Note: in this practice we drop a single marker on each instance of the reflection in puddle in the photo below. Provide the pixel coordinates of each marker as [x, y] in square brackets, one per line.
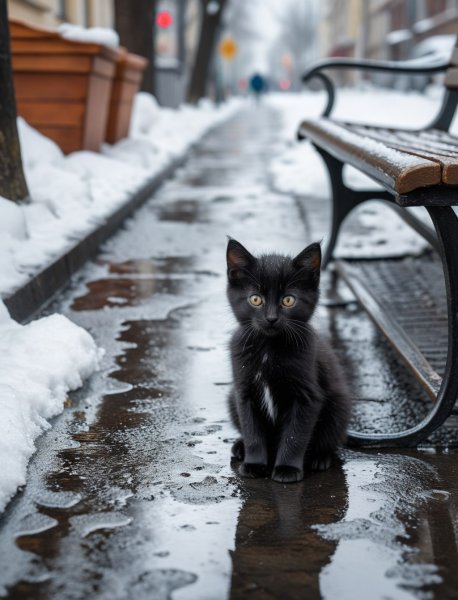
[123, 292]
[165, 266]
[277, 554]
[134, 282]
[387, 498]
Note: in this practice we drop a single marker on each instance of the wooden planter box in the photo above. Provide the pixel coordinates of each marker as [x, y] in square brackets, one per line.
[63, 87]
[127, 80]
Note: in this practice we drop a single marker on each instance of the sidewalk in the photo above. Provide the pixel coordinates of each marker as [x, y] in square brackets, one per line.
[131, 495]
[78, 200]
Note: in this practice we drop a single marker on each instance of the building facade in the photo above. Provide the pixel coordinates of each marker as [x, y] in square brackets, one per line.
[87, 13]
[383, 29]
[340, 28]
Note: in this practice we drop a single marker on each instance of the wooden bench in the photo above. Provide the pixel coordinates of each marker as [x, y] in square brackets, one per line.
[414, 168]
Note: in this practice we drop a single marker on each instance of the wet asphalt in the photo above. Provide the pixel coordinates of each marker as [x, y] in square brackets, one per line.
[132, 494]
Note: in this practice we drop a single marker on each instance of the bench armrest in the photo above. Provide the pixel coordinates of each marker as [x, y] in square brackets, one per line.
[437, 64]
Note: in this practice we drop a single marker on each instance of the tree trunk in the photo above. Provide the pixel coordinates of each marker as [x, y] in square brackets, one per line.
[12, 181]
[134, 22]
[208, 34]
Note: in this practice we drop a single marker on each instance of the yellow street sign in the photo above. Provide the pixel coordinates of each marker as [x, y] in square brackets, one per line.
[227, 48]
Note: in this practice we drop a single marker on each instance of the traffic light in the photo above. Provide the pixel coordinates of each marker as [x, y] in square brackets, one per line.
[164, 19]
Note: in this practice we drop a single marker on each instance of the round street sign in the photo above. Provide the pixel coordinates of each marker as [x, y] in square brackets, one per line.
[228, 48]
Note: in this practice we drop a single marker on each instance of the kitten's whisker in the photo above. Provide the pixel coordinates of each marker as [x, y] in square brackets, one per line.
[247, 338]
[305, 327]
[299, 339]
[292, 335]
[301, 342]
[303, 323]
[247, 333]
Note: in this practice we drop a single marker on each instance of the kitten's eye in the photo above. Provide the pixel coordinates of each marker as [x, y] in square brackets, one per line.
[288, 301]
[255, 300]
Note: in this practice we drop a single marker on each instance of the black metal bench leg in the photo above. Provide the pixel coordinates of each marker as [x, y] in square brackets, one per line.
[446, 225]
[344, 200]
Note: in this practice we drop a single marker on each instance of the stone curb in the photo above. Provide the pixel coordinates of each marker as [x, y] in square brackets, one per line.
[28, 300]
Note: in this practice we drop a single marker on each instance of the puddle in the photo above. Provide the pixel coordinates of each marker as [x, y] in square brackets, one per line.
[186, 211]
[154, 266]
[125, 292]
[384, 545]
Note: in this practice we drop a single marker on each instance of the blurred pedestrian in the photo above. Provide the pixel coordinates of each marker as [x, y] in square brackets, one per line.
[257, 85]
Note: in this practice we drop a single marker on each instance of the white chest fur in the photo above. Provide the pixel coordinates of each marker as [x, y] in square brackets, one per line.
[267, 400]
[268, 403]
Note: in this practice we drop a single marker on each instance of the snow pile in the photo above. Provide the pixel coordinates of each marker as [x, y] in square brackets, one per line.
[90, 35]
[72, 195]
[41, 362]
[377, 230]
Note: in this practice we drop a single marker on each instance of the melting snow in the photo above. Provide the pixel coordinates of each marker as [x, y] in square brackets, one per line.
[41, 363]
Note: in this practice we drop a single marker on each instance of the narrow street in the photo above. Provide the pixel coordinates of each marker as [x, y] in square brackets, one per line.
[132, 494]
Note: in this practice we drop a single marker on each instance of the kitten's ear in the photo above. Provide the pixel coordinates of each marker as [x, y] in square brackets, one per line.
[238, 258]
[309, 259]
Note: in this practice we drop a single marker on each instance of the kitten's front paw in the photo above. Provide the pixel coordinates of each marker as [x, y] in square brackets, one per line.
[238, 450]
[253, 470]
[285, 474]
[322, 463]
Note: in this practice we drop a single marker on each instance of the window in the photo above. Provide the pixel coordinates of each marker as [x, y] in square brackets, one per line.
[62, 10]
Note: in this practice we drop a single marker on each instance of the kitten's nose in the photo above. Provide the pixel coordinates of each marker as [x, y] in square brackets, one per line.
[272, 320]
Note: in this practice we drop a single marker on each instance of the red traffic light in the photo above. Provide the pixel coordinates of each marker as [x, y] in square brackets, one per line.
[164, 19]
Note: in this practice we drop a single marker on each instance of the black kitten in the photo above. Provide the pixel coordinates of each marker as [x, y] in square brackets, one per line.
[290, 400]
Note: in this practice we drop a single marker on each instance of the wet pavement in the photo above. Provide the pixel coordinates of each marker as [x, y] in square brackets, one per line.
[131, 494]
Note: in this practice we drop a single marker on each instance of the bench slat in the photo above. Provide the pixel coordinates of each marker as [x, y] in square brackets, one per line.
[396, 170]
[445, 154]
[429, 139]
[440, 136]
